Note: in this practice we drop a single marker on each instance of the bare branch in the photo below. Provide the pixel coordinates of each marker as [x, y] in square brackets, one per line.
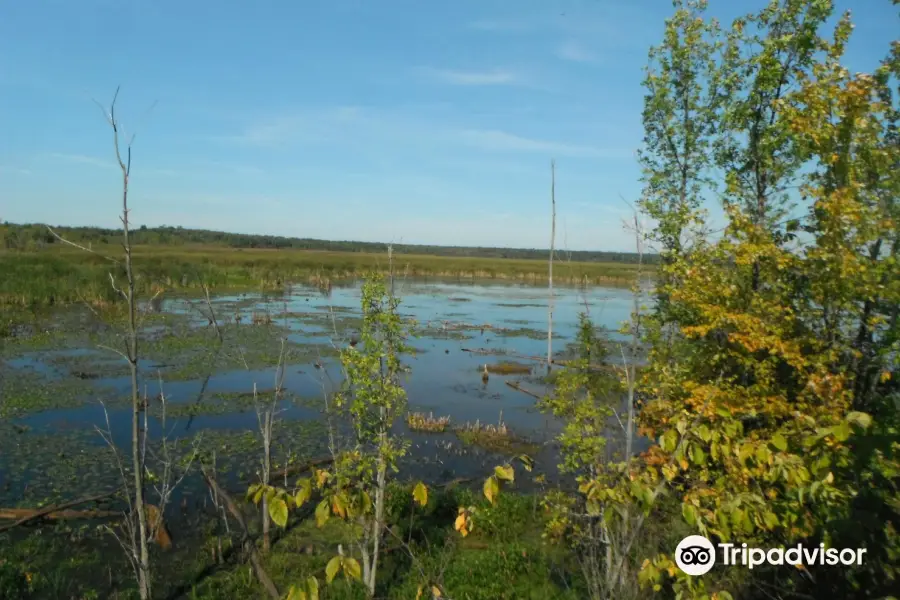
[79, 246]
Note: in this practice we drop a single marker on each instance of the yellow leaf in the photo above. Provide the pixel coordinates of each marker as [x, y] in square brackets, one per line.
[332, 568]
[352, 569]
[339, 506]
[435, 591]
[278, 511]
[505, 473]
[312, 584]
[322, 513]
[304, 491]
[491, 488]
[420, 494]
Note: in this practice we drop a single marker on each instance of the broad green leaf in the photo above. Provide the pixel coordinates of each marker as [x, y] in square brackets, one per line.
[296, 593]
[689, 512]
[278, 510]
[304, 491]
[779, 442]
[860, 418]
[491, 488]
[312, 585]
[257, 496]
[698, 456]
[669, 440]
[352, 569]
[505, 473]
[332, 568]
[527, 462]
[703, 433]
[323, 512]
[420, 494]
[841, 431]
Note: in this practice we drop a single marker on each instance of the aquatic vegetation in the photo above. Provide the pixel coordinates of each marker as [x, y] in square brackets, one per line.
[422, 422]
[509, 368]
[494, 438]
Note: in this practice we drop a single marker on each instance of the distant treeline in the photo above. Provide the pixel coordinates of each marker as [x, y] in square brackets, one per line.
[36, 236]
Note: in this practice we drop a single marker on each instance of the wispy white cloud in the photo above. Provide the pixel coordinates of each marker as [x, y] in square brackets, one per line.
[80, 159]
[496, 140]
[491, 77]
[575, 52]
[361, 128]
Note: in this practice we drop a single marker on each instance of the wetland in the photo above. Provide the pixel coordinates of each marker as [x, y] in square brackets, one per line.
[62, 384]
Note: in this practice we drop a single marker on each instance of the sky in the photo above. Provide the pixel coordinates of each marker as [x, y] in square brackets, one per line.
[392, 120]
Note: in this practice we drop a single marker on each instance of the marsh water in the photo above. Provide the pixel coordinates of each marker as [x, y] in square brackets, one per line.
[62, 385]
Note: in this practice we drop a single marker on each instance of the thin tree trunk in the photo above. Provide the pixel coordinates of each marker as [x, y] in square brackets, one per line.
[136, 405]
[550, 265]
[635, 336]
[267, 544]
[379, 525]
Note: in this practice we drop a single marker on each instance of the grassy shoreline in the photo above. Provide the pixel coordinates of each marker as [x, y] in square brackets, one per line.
[67, 275]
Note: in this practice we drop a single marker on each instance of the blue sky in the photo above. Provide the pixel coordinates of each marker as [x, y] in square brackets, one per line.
[390, 120]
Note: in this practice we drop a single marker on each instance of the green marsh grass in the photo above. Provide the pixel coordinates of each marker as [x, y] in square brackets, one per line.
[62, 275]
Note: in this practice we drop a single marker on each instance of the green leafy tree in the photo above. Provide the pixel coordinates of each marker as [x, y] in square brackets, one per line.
[775, 408]
[683, 83]
[372, 398]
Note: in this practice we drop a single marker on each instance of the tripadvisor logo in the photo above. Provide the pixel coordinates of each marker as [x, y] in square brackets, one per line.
[696, 555]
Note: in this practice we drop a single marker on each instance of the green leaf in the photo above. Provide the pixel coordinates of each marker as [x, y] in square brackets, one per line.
[669, 440]
[505, 473]
[296, 593]
[251, 491]
[278, 510]
[527, 462]
[689, 512]
[703, 433]
[312, 585]
[420, 494]
[698, 456]
[860, 418]
[332, 568]
[323, 512]
[779, 442]
[304, 491]
[491, 488]
[841, 431]
[352, 569]
[257, 496]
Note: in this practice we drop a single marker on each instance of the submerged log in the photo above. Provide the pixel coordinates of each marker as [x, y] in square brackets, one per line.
[29, 513]
[56, 508]
[518, 387]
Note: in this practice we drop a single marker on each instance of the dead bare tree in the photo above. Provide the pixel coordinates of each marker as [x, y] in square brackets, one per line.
[550, 265]
[132, 357]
